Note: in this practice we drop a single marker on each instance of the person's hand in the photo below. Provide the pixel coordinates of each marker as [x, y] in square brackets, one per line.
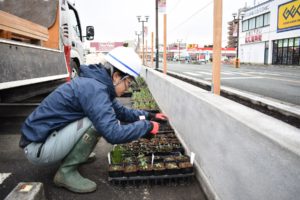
[153, 131]
[155, 128]
[158, 117]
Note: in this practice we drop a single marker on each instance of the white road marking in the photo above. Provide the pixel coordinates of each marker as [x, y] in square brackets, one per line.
[4, 176]
[206, 73]
[228, 73]
[281, 79]
[229, 78]
[265, 73]
[192, 73]
[243, 75]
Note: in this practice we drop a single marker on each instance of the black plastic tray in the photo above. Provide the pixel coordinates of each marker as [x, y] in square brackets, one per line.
[152, 177]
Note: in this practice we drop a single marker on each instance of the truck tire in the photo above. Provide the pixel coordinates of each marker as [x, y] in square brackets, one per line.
[75, 70]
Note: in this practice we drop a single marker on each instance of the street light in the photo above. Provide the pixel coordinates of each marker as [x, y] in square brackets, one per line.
[138, 42]
[143, 32]
[238, 17]
[179, 41]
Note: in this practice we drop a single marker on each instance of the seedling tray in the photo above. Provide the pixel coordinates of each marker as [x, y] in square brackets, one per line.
[149, 178]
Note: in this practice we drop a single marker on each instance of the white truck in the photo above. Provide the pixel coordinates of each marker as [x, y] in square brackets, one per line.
[41, 46]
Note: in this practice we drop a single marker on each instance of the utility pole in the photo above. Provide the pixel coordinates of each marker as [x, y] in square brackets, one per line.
[156, 35]
[143, 34]
[165, 45]
[152, 35]
[179, 41]
[217, 46]
[239, 18]
[138, 42]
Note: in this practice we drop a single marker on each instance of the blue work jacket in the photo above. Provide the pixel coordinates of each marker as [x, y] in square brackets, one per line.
[91, 95]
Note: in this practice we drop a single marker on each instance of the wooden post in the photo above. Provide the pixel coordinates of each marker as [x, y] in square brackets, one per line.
[165, 44]
[152, 46]
[146, 56]
[217, 46]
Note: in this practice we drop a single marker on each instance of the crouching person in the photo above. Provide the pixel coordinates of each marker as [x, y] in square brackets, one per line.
[67, 125]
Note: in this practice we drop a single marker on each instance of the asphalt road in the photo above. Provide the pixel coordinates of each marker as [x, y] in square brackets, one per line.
[280, 83]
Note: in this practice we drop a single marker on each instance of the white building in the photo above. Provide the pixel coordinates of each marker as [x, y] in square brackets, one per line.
[270, 33]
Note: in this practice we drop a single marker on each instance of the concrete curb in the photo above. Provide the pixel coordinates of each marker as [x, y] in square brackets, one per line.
[28, 191]
[284, 108]
[240, 152]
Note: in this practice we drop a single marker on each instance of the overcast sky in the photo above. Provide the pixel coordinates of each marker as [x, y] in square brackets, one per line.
[188, 20]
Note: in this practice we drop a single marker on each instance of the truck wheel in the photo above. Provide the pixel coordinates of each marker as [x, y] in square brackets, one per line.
[74, 69]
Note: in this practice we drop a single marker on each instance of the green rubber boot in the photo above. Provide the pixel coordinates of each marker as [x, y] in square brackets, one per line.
[92, 158]
[67, 175]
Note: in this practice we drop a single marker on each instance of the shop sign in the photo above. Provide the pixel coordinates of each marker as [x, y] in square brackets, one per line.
[253, 36]
[192, 46]
[162, 4]
[258, 10]
[288, 16]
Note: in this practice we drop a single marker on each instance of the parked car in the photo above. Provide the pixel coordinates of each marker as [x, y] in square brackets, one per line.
[202, 61]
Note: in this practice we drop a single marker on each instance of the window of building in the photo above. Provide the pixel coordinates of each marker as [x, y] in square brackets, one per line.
[245, 25]
[251, 23]
[297, 41]
[284, 55]
[280, 42]
[259, 21]
[290, 51]
[275, 47]
[286, 51]
[256, 22]
[285, 42]
[266, 19]
[296, 51]
[291, 42]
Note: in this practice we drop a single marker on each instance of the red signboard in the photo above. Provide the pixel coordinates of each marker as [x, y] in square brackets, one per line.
[253, 36]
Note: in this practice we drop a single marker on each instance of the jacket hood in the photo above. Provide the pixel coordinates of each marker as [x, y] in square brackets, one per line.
[99, 73]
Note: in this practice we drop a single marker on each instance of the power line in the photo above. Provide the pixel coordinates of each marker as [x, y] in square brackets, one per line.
[176, 4]
[195, 13]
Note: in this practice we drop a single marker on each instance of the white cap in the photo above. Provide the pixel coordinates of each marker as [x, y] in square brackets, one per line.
[126, 60]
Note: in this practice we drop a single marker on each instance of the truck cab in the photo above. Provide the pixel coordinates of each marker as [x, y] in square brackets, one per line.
[71, 21]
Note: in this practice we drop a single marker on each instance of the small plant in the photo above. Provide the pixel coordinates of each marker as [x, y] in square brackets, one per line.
[182, 158]
[185, 167]
[143, 160]
[129, 160]
[165, 148]
[143, 99]
[159, 168]
[115, 170]
[117, 154]
[130, 170]
[169, 159]
[172, 168]
[171, 165]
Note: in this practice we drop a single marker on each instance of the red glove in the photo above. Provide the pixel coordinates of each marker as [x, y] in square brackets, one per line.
[155, 128]
[160, 117]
